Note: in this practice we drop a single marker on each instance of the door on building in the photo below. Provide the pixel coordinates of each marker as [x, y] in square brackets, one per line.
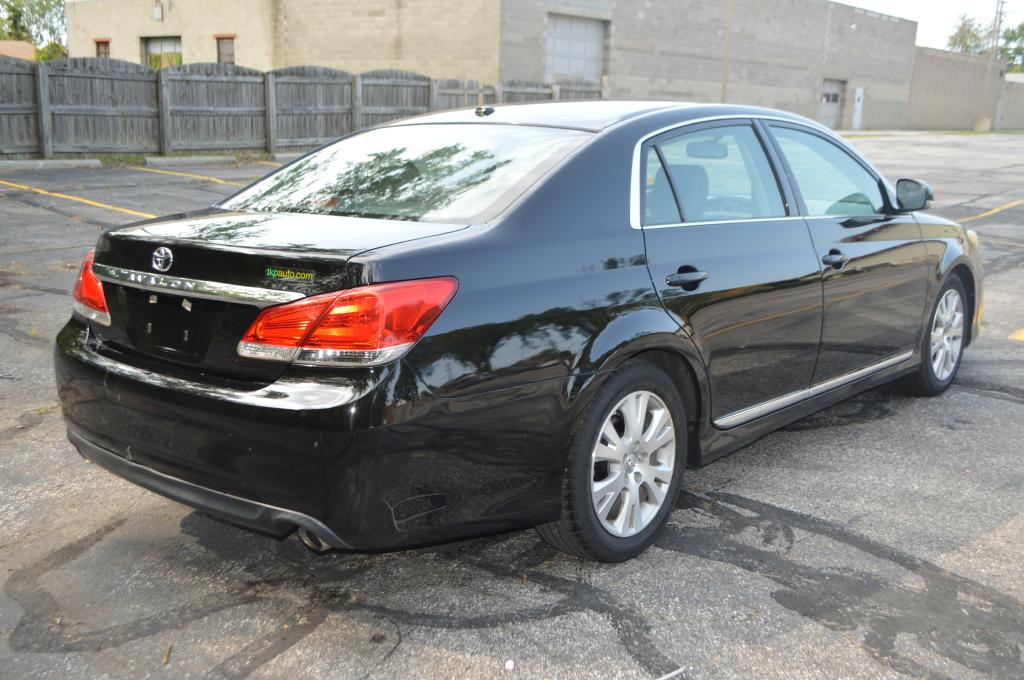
[575, 49]
[831, 110]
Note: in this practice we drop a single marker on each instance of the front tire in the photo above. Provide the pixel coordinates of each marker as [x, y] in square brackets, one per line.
[625, 467]
[942, 346]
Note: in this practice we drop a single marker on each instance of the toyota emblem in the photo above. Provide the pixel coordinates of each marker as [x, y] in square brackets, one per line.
[163, 258]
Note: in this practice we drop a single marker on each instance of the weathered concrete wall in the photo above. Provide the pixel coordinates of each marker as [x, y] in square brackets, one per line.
[779, 53]
[124, 22]
[1013, 107]
[778, 57]
[953, 91]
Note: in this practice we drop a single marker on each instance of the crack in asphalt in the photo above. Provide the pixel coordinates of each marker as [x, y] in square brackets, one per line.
[1014, 395]
[956, 618]
[9, 327]
[23, 198]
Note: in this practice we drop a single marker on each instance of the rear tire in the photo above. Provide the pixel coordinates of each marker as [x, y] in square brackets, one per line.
[942, 346]
[625, 467]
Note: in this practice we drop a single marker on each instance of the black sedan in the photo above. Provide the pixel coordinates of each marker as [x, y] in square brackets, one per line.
[513, 316]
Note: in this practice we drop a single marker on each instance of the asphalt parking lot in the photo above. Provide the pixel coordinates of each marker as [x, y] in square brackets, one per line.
[882, 538]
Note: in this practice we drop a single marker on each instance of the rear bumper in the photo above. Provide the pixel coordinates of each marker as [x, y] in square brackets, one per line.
[365, 459]
[248, 513]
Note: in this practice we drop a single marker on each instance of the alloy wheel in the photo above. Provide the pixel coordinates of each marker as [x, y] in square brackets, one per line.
[632, 463]
[947, 334]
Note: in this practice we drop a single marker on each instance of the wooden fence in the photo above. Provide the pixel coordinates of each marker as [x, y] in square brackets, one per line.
[111, 106]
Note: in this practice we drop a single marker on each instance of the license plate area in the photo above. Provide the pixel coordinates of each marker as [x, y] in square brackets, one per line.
[175, 326]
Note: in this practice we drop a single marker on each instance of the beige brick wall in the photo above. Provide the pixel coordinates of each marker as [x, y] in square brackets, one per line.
[124, 22]
[439, 38]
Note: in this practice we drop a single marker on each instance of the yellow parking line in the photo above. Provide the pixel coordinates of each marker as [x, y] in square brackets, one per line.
[1017, 335]
[216, 180]
[270, 163]
[1002, 243]
[993, 211]
[67, 197]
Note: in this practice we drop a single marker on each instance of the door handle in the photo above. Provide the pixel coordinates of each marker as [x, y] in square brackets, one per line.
[835, 259]
[686, 280]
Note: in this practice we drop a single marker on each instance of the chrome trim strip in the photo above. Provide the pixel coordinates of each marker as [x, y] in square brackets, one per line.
[634, 182]
[778, 403]
[706, 222]
[208, 290]
[758, 410]
[853, 376]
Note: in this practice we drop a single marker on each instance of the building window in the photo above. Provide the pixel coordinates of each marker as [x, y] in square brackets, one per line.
[103, 49]
[225, 49]
[161, 52]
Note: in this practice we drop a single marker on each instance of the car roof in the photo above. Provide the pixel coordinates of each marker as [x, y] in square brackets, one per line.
[582, 115]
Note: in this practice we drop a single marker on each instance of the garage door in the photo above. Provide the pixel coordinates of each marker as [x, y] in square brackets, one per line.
[575, 48]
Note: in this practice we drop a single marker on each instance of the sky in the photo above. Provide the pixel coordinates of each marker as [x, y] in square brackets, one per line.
[937, 18]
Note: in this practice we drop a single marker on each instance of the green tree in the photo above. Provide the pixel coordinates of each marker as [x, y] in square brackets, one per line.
[13, 22]
[51, 50]
[969, 37]
[1012, 46]
[37, 21]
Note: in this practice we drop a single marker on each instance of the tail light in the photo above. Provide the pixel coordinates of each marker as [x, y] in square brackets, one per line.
[366, 326]
[88, 294]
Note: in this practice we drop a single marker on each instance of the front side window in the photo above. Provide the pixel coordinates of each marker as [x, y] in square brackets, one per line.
[831, 182]
[103, 49]
[161, 52]
[722, 173]
[432, 173]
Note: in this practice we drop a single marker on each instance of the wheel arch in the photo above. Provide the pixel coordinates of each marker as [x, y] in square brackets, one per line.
[963, 272]
[649, 334]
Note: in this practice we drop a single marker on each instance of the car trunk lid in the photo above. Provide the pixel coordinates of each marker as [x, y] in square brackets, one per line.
[182, 291]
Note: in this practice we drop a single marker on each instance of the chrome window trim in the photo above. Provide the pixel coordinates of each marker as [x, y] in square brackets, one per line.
[635, 221]
[730, 221]
[750, 413]
[207, 290]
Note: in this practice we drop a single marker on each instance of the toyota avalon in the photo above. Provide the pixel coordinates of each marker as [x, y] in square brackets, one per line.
[513, 316]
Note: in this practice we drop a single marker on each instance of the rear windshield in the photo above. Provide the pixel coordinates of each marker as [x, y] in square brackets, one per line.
[433, 173]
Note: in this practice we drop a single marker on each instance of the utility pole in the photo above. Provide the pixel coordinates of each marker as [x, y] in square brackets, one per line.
[985, 122]
[726, 49]
[997, 25]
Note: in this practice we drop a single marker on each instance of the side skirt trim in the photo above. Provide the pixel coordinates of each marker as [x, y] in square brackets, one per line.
[756, 411]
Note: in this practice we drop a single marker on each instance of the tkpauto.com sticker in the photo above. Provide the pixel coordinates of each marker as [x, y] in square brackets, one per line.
[287, 274]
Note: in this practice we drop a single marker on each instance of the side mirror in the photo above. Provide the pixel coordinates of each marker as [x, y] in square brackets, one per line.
[913, 194]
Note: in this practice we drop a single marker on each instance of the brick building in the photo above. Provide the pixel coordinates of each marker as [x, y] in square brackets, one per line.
[845, 66]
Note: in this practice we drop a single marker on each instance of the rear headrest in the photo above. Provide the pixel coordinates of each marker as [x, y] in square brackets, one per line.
[660, 207]
[692, 184]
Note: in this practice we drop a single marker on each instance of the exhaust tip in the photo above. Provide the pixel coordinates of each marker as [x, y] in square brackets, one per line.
[312, 541]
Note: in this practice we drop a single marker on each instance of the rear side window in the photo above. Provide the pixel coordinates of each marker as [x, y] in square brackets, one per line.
[830, 180]
[659, 202]
[722, 173]
[432, 173]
